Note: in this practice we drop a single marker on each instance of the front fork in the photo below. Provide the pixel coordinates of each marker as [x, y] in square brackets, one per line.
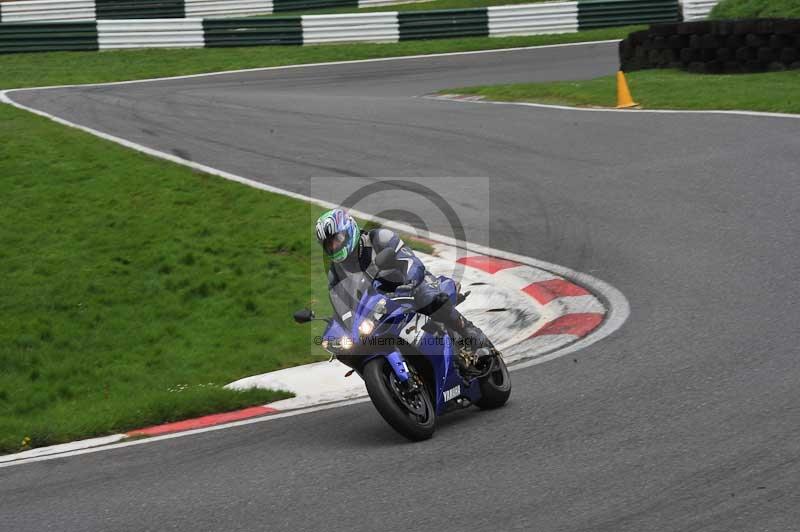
[399, 366]
[408, 381]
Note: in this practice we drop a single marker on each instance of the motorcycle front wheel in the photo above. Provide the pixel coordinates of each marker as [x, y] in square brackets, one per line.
[410, 413]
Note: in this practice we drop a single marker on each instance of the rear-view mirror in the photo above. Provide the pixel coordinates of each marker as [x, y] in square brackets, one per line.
[304, 316]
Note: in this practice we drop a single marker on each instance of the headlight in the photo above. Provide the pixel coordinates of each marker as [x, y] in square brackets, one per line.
[366, 327]
[325, 344]
[345, 343]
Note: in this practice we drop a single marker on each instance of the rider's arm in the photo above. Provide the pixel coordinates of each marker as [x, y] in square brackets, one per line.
[408, 267]
[333, 279]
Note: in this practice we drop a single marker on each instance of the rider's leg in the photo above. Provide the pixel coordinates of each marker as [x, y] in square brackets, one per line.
[432, 302]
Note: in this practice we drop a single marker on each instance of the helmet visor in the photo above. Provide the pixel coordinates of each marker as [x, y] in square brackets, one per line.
[334, 243]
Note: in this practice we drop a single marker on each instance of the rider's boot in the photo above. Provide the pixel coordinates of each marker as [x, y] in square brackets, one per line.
[472, 342]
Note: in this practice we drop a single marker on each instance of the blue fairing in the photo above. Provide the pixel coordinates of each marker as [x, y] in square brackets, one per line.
[448, 286]
[397, 333]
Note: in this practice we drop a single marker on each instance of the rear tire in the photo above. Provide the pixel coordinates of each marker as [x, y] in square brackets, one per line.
[495, 387]
[381, 385]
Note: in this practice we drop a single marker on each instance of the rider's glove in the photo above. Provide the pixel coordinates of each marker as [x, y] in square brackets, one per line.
[404, 290]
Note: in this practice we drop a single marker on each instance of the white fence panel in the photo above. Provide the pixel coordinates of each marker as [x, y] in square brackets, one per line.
[697, 9]
[227, 8]
[533, 19]
[375, 3]
[370, 27]
[48, 11]
[150, 33]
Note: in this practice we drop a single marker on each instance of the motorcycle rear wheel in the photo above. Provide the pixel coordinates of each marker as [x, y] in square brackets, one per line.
[412, 415]
[496, 386]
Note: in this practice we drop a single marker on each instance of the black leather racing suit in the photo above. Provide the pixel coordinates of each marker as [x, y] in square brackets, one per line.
[409, 274]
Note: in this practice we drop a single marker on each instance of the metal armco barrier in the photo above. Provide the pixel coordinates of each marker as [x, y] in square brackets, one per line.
[533, 19]
[376, 3]
[138, 9]
[298, 5]
[525, 19]
[210, 8]
[697, 9]
[606, 13]
[48, 37]
[86, 10]
[593, 13]
[372, 27]
[154, 33]
[443, 24]
[47, 10]
[253, 32]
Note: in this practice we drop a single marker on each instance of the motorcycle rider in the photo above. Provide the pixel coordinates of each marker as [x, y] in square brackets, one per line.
[351, 250]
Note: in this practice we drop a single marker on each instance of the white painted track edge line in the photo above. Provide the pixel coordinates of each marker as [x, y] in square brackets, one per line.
[308, 65]
[153, 439]
[60, 448]
[445, 98]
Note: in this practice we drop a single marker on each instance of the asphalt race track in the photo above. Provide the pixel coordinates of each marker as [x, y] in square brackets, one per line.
[687, 418]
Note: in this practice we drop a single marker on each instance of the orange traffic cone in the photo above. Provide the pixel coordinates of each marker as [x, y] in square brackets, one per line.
[624, 100]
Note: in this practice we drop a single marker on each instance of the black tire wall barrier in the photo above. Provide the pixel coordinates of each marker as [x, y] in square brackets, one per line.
[715, 47]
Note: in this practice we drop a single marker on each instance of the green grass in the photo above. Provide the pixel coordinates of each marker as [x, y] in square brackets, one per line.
[57, 68]
[732, 9]
[416, 6]
[125, 277]
[661, 89]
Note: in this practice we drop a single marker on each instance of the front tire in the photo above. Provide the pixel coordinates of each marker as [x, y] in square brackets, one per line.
[496, 386]
[412, 415]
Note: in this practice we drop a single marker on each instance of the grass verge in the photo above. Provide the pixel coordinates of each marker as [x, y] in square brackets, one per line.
[661, 89]
[134, 289]
[732, 9]
[61, 68]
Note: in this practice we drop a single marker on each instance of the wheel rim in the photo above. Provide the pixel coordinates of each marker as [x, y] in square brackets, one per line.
[413, 403]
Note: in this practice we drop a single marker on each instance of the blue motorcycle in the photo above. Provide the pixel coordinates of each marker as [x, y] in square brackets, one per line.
[407, 360]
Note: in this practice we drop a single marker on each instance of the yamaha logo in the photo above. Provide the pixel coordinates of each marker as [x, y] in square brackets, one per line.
[452, 393]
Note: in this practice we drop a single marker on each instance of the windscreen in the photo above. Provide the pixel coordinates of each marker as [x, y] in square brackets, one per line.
[346, 294]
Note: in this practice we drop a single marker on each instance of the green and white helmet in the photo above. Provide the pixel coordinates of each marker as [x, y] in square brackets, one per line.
[338, 233]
